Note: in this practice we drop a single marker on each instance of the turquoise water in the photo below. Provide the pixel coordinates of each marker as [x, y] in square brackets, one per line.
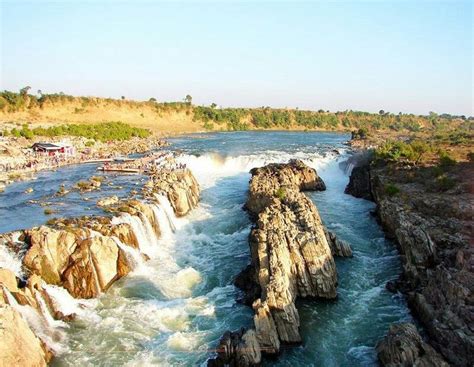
[174, 309]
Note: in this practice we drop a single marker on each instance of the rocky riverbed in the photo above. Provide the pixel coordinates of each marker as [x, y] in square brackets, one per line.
[433, 228]
[78, 257]
[291, 257]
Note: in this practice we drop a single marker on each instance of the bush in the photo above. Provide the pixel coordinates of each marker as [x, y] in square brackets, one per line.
[280, 193]
[444, 183]
[445, 160]
[106, 131]
[391, 189]
[470, 156]
[90, 143]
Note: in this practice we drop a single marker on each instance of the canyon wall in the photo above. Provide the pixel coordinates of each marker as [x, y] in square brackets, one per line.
[433, 231]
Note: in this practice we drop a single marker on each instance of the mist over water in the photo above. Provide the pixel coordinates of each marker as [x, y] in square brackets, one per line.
[173, 309]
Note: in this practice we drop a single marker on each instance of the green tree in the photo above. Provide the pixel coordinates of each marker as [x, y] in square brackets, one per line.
[188, 99]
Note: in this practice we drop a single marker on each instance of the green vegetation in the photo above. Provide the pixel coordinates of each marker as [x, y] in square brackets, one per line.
[454, 129]
[106, 131]
[391, 189]
[280, 193]
[395, 151]
[445, 160]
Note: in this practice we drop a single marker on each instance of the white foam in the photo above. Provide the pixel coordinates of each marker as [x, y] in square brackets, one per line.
[11, 261]
[212, 166]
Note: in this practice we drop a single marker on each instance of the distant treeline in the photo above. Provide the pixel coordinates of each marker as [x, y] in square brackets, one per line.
[212, 117]
[106, 131]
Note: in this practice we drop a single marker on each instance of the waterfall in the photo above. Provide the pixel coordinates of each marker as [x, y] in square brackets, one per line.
[134, 256]
[42, 324]
[145, 243]
[165, 205]
[166, 226]
[67, 304]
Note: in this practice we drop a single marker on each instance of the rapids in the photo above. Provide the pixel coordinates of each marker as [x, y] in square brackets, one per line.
[172, 309]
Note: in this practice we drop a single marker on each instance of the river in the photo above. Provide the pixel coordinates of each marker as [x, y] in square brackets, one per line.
[173, 309]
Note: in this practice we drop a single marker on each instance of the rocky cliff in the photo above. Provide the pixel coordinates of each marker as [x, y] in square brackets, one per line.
[433, 229]
[290, 253]
[83, 256]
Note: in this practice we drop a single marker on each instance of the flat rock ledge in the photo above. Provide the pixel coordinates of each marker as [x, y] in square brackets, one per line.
[291, 257]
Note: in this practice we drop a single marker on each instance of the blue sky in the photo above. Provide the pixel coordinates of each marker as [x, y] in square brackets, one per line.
[409, 56]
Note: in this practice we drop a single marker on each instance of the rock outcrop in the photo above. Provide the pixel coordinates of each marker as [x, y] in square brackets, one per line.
[19, 345]
[85, 256]
[180, 187]
[83, 261]
[237, 349]
[290, 254]
[403, 346]
[433, 230]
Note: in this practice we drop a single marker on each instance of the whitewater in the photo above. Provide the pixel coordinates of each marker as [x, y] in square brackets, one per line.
[173, 308]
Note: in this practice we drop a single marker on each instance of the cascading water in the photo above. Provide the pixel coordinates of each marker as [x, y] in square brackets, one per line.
[174, 308]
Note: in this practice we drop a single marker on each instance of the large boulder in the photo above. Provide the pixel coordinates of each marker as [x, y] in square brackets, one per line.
[180, 187]
[19, 345]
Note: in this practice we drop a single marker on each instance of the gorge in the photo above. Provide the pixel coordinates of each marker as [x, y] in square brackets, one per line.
[175, 307]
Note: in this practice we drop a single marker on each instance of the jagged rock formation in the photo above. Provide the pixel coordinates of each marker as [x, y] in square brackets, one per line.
[19, 346]
[403, 346]
[237, 349]
[180, 187]
[290, 256]
[83, 255]
[433, 231]
[339, 248]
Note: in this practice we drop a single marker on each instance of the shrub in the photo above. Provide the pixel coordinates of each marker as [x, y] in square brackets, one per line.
[90, 143]
[445, 160]
[280, 193]
[391, 189]
[444, 183]
[470, 156]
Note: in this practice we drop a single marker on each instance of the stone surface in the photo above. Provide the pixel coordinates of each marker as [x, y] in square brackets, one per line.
[237, 349]
[290, 255]
[338, 247]
[180, 187]
[403, 346]
[19, 346]
[433, 230]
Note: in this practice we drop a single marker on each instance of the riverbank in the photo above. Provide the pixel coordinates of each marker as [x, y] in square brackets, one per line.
[427, 209]
[19, 162]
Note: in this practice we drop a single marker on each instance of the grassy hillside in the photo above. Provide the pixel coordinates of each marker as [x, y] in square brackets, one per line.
[177, 117]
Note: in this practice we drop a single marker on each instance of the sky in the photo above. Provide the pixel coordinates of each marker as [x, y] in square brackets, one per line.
[399, 56]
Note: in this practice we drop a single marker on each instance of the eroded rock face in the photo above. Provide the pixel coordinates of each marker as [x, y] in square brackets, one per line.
[180, 187]
[290, 254]
[273, 180]
[83, 261]
[19, 345]
[433, 231]
[237, 349]
[403, 346]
